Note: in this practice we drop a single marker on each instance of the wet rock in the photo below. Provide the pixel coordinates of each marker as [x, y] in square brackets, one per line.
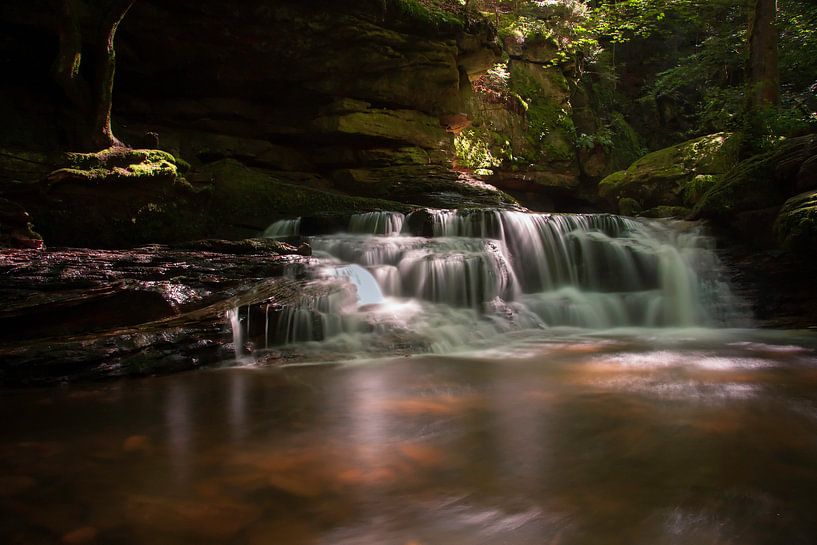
[246, 247]
[16, 230]
[72, 314]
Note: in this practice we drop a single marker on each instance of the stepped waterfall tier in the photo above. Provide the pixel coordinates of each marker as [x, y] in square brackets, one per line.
[443, 280]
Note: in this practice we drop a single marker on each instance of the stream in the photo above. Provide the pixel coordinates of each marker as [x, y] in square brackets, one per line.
[461, 378]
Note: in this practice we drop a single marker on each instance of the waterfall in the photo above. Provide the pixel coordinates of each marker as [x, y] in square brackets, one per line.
[283, 228]
[482, 273]
[367, 288]
[238, 334]
[377, 223]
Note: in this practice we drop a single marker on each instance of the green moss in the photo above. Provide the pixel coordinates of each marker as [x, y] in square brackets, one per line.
[258, 197]
[626, 145]
[695, 190]
[672, 176]
[612, 184]
[796, 225]
[427, 13]
[666, 212]
[748, 186]
[550, 130]
[628, 206]
[408, 126]
[118, 164]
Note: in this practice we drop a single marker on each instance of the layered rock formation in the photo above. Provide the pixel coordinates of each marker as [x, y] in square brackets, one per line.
[327, 98]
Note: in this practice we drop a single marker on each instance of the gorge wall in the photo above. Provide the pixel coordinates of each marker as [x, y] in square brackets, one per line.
[267, 111]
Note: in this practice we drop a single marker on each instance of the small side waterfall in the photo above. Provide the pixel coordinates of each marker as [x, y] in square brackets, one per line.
[489, 272]
[237, 331]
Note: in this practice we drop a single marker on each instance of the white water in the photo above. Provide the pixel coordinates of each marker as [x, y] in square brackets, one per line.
[238, 332]
[283, 228]
[490, 273]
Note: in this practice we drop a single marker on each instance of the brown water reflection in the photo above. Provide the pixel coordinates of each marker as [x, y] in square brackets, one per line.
[594, 442]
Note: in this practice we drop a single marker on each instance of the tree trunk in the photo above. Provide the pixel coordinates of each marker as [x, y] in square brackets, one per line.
[102, 135]
[69, 56]
[764, 80]
[90, 100]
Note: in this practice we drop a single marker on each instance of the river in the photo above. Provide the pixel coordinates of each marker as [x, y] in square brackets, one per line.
[637, 438]
[482, 386]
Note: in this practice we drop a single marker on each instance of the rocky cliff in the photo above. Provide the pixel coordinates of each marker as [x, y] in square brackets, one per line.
[256, 102]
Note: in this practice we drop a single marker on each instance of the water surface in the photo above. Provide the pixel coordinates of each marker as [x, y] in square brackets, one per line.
[639, 437]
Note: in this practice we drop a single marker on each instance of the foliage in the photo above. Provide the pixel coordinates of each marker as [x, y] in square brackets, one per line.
[437, 13]
[475, 149]
[603, 137]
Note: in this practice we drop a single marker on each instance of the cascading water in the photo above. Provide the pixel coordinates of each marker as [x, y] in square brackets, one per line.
[283, 228]
[486, 272]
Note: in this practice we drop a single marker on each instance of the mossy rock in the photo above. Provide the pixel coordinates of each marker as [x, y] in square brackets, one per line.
[796, 224]
[117, 165]
[759, 182]
[666, 212]
[662, 178]
[628, 206]
[427, 185]
[247, 200]
[377, 157]
[406, 126]
[548, 128]
[117, 198]
[626, 147]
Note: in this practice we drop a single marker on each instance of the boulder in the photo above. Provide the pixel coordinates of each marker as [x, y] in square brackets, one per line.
[672, 177]
[760, 182]
[796, 224]
[247, 200]
[16, 230]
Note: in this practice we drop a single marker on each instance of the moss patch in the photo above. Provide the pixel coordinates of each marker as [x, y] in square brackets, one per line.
[253, 199]
[116, 165]
[759, 182]
[672, 176]
[796, 225]
[550, 131]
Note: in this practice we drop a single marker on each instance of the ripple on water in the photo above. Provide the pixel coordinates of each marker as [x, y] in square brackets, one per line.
[455, 521]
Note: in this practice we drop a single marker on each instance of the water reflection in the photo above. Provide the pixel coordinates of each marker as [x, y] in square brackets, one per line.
[572, 441]
[179, 426]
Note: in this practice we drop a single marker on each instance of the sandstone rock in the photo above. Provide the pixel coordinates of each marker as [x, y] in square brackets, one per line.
[247, 200]
[16, 230]
[404, 126]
